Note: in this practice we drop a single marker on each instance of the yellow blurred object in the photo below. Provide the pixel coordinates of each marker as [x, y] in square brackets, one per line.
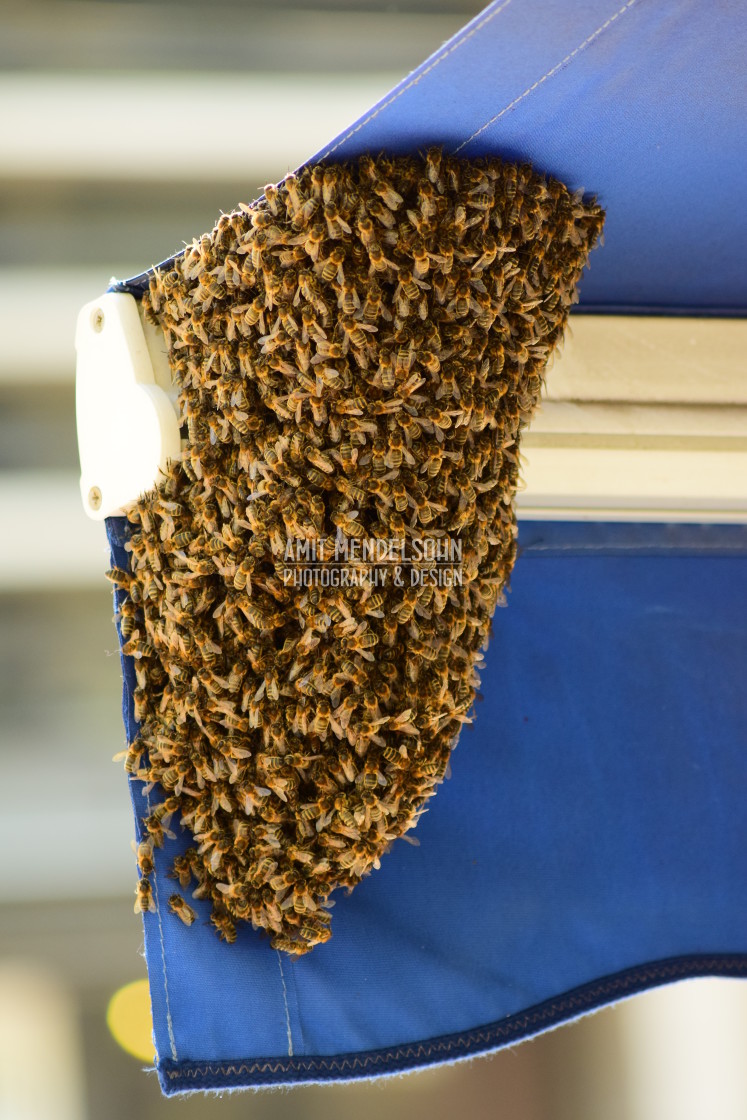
[129, 1020]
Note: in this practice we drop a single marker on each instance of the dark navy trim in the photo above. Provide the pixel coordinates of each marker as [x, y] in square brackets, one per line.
[659, 310]
[138, 285]
[240, 1073]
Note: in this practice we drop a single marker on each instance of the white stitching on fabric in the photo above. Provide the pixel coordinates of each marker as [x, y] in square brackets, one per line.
[285, 1001]
[415, 81]
[169, 1021]
[549, 74]
[297, 1006]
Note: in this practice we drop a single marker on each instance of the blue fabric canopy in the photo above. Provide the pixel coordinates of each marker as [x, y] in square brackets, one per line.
[591, 840]
[589, 844]
[643, 104]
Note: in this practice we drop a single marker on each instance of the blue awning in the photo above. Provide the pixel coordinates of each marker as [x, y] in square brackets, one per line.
[591, 840]
[643, 104]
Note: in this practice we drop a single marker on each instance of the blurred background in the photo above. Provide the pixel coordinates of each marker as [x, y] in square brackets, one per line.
[125, 128]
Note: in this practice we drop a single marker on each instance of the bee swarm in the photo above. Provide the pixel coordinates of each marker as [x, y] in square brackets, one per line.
[356, 353]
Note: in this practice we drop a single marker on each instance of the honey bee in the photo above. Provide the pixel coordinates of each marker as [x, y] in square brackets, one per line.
[361, 640]
[379, 263]
[223, 924]
[319, 479]
[318, 410]
[382, 213]
[128, 616]
[399, 494]
[366, 231]
[407, 287]
[347, 455]
[326, 351]
[380, 489]
[431, 464]
[255, 615]
[353, 672]
[137, 648]
[488, 255]
[144, 900]
[354, 493]
[144, 852]
[349, 300]
[254, 314]
[330, 182]
[320, 460]
[348, 525]
[305, 213]
[132, 756]
[336, 224]
[355, 332]
[433, 166]
[315, 934]
[321, 721]
[386, 372]
[396, 450]
[378, 456]
[313, 239]
[467, 490]
[424, 649]
[182, 870]
[272, 198]
[283, 881]
[209, 651]
[373, 308]
[235, 722]
[182, 909]
[421, 259]
[296, 446]
[242, 578]
[332, 267]
[311, 327]
[404, 359]
[119, 578]
[391, 198]
[347, 766]
[405, 610]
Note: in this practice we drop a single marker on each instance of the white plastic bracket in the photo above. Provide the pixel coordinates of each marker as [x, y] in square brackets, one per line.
[126, 404]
